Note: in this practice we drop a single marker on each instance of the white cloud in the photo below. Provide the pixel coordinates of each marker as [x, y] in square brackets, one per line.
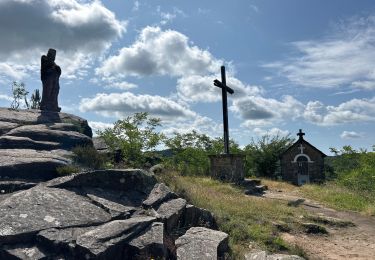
[201, 124]
[260, 111]
[350, 135]
[344, 58]
[158, 52]
[99, 126]
[270, 132]
[196, 88]
[123, 104]
[5, 97]
[78, 31]
[355, 110]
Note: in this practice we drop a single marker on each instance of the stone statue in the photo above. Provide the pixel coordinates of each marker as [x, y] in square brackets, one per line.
[50, 74]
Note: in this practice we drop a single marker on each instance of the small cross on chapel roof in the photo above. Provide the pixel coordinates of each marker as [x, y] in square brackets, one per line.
[300, 134]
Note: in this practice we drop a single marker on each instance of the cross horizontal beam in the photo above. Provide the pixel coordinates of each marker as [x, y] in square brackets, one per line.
[218, 84]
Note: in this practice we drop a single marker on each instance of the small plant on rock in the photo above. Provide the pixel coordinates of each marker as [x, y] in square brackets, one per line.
[35, 100]
[88, 157]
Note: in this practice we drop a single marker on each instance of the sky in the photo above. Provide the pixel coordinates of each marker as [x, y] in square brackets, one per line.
[293, 64]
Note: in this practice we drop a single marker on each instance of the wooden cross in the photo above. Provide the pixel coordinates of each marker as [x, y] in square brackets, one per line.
[224, 90]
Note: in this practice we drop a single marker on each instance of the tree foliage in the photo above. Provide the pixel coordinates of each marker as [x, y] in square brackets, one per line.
[135, 136]
[190, 152]
[35, 100]
[263, 155]
[19, 93]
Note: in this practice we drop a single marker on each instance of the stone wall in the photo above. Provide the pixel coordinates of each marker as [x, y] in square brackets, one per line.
[227, 167]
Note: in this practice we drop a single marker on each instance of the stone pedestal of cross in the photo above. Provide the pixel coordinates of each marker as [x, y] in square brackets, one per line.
[226, 167]
[224, 90]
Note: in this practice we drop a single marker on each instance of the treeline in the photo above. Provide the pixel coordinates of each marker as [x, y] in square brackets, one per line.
[137, 138]
[354, 169]
[137, 141]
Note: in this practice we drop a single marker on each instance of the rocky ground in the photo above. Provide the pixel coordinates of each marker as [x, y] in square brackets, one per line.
[109, 214]
[349, 235]
[31, 140]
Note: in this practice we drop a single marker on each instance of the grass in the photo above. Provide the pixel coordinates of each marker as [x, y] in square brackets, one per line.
[330, 194]
[247, 219]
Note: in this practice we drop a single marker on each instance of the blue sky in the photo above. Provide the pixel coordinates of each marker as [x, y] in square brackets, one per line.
[292, 64]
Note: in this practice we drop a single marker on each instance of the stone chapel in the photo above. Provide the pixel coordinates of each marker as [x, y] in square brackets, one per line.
[302, 162]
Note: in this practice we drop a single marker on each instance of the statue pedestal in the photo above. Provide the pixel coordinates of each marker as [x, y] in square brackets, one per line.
[227, 167]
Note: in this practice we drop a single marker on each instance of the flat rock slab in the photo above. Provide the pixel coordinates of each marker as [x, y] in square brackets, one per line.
[107, 240]
[22, 252]
[123, 180]
[202, 243]
[31, 164]
[20, 142]
[25, 213]
[32, 117]
[160, 193]
[43, 133]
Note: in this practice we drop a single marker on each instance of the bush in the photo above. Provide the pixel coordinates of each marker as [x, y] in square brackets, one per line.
[89, 157]
[67, 170]
[135, 136]
[263, 156]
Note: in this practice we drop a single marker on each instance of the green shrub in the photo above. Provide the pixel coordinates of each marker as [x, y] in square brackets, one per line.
[89, 157]
[135, 136]
[67, 170]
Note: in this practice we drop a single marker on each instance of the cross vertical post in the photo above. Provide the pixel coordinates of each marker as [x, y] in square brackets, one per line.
[225, 111]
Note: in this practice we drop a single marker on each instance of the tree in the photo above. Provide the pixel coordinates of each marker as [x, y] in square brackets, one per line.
[263, 156]
[35, 100]
[189, 153]
[19, 93]
[135, 136]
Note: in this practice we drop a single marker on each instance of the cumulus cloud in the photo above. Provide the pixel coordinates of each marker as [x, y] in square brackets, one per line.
[119, 105]
[99, 126]
[355, 110]
[350, 135]
[271, 132]
[197, 88]
[344, 58]
[76, 29]
[158, 52]
[260, 111]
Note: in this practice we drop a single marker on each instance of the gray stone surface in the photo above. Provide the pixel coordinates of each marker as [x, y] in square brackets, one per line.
[171, 213]
[31, 164]
[262, 255]
[202, 243]
[195, 216]
[150, 243]
[26, 213]
[30, 252]
[20, 142]
[6, 127]
[32, 117]
[42, 132]
[160, 193]
[106, 240]
[96, 215]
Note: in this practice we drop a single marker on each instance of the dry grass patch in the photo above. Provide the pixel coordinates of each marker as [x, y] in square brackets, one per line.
[247, 219]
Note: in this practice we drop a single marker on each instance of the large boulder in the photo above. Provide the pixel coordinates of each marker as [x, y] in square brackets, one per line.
[44, 133]
[34, 117]
[202, 243]
[34, 143]
[31, 164]
[100, 215]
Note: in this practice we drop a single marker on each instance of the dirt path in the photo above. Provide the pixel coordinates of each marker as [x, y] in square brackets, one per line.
[351, 242]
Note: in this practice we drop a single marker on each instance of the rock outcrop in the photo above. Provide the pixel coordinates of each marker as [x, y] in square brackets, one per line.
[107, 214]
[34, 143]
